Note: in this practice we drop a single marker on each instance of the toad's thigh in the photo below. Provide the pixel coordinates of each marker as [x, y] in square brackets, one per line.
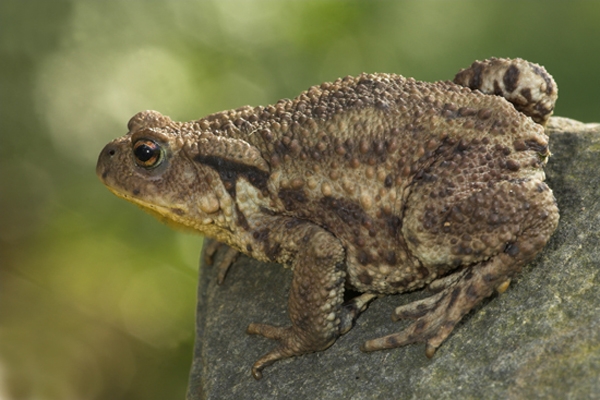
[472, 226]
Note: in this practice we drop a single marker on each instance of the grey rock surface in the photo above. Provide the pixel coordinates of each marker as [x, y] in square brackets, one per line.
[540, 339]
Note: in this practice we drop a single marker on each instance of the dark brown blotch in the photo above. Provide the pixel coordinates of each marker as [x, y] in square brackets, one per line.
[424, 272]
[229, 171]
[472, 292]
[390, 257]
[241, 218]
[394, 224]
[541, 148]
[272, 250]
[392, 342]
[462, 145]
[512, 249]
[511, 78]
[364, 258]
[292, 198]
[526, 92]
[294, 222]
[348, 211]
[420, 326]
[476, 77]
[261, 235]
[365, 278]
[541, 72]
[453, 297]
[497, 88]
[543, 110]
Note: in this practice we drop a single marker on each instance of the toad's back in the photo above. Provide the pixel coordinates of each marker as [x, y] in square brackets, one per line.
[347, 154]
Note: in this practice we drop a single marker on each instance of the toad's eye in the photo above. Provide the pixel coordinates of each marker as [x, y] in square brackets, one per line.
[148, 154]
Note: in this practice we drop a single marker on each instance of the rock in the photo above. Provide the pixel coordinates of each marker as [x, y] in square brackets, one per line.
[540, 339]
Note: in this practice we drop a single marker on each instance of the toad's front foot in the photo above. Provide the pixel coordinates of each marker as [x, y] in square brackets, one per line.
[226, 262]
[291, 343]
[271, 332]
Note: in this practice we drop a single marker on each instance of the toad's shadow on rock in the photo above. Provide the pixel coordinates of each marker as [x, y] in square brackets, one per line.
[540, 339]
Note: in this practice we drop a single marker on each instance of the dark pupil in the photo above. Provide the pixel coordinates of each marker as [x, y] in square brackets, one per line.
[144, 152]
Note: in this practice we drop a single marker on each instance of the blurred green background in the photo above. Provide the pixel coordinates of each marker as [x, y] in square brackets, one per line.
[97, 299]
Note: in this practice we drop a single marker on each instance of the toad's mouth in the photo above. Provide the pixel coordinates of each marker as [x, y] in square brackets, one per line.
[172, 216]
[158, 210]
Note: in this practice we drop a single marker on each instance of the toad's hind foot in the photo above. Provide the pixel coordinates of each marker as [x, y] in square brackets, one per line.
[528, 86]
[436, 316]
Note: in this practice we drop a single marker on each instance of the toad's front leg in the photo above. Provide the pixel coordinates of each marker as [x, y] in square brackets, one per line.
[315, 300]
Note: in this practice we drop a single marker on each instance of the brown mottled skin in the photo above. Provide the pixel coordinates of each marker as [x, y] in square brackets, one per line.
[378, 183]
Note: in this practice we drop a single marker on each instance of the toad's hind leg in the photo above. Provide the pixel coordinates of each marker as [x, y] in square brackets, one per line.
[528, 86]
[436, 316]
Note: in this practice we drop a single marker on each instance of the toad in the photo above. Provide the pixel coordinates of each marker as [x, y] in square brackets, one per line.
[377, 183]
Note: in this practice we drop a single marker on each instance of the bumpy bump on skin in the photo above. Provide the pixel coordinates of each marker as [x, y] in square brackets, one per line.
[377, 182]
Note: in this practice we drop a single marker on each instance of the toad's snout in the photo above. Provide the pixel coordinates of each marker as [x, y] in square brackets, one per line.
[105, 160]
